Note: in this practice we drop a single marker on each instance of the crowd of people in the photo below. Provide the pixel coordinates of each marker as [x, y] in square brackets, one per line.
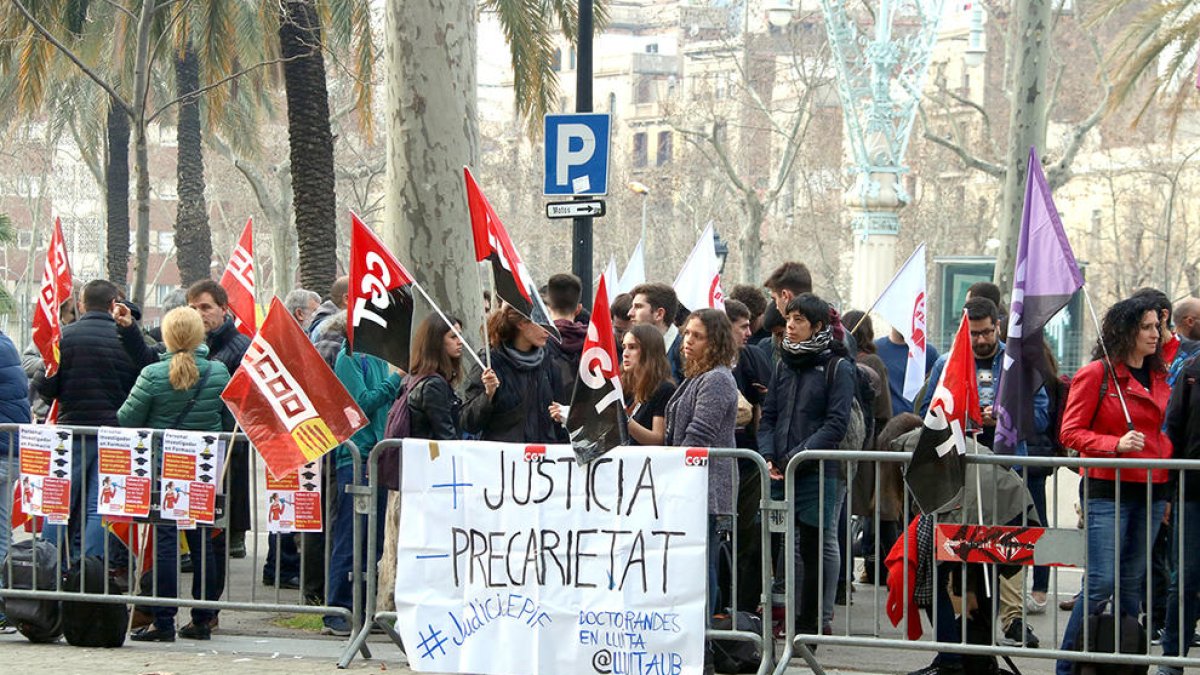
[779, 370]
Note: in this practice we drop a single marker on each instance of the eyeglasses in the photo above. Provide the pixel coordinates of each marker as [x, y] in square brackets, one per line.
[985, 333]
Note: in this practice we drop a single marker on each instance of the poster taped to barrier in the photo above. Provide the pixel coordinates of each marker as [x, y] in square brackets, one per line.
[294, 501]
[191, 465]
[46, 471]
[125, 469]
[596, 568]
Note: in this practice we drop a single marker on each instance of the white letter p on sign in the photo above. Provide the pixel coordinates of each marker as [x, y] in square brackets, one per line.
[566, 157]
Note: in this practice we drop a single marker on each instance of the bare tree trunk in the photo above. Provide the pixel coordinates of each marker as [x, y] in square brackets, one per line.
[141, 75]
[432, 133]
[116, 194]
[751, 243]
[192, 238]
[1027, 124]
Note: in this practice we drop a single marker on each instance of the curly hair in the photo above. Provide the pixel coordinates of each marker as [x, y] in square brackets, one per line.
[720, 350]
[1120, 327]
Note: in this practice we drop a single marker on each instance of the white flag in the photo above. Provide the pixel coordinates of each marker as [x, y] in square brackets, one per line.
[699, 282]
[635, 271]
[902, 304]
[610, 273]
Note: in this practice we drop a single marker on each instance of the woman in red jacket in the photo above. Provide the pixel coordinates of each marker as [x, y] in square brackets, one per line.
[1094, 424]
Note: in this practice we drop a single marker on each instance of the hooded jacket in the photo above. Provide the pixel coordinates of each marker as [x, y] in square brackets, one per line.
[566, 353]
[519, 411]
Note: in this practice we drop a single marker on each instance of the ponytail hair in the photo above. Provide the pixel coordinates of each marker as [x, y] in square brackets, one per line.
[183, 331]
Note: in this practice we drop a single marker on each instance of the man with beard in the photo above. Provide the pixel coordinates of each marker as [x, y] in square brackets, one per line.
[989, 362]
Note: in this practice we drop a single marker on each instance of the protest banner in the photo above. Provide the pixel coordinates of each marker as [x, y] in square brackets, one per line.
[573, 569]
[191, 464]
[294, 501]
[124, 468]
[46, 472]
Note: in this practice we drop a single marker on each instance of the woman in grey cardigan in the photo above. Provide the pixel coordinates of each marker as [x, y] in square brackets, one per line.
[703, 413]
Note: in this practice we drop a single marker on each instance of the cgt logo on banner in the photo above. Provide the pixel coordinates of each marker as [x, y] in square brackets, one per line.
[575, 569]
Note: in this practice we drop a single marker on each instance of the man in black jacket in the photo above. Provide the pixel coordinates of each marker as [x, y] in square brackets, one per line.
[93, 380]
[1183, 428]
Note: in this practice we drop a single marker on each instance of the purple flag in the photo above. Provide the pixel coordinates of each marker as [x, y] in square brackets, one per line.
[1045, 278]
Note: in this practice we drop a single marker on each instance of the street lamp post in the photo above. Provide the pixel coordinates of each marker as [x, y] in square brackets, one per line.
[581, 228]
[642, 189]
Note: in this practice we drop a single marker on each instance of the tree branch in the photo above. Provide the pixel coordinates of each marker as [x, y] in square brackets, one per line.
[1060, 172]
[66, 51]
[971, 161]
[214, 85]
[117, 6]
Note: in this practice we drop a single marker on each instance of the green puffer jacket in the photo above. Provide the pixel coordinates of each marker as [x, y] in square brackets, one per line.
[154, 403]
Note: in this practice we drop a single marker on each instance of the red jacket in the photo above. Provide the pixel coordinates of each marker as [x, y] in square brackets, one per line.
[899, 567]
[1095, 432]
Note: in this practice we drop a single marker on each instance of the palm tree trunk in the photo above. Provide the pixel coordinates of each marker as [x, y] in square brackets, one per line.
[432, 132]
[116, 194]
[192, 238]
[311, 143]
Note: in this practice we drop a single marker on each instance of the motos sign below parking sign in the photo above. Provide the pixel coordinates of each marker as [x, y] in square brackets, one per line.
[576, 154]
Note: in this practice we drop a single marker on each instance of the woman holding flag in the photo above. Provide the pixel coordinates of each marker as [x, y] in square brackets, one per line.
[435, 369]
[182, 391]
[646, 377]
[511, 400]
[1116, 408]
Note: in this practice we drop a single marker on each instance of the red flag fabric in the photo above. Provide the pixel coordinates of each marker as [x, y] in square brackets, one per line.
[937, 472]
[238, 282]
[514, 284]
[286, 398]
[19, 517]
[380, 306]
[56, 289]
[594, 420]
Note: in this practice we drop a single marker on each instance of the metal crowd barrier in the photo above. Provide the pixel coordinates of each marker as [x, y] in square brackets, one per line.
[863, 627]
[122, 580]
[385, 621]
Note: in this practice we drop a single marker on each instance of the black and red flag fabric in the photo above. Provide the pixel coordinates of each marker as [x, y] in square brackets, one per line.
[379, 311]
[594, 420]
[514, 283]
[938, 471]
[286, 399]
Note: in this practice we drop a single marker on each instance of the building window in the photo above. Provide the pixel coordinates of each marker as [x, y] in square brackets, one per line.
[556, 61]
[644, 92]
[166, 241]
[652, 48]
[612, 104]
[639, 150]
[664, 148]
[572, 59]
[24, 238]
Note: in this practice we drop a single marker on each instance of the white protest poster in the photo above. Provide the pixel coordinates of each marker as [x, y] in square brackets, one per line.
[46, 471]
[124, 472]
[190, 467]
[597, 568]
[294, 501]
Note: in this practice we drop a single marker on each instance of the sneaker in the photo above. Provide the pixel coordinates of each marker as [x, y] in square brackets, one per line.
[196, 631]
[185, 564]
[237, 545]
[152, 634]
[1156, 637]
[1169, 670]
[1067, 605]
[336, 626]
[940, 669]
[1032, 606]
[1019, 635]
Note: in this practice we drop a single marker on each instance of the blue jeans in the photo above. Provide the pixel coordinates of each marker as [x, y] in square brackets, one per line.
[833, 566]
[1188, 539]
[84, 515]
[208, 580]
[1036, 482]
[6, 495]
[289, 561]
[339, 587]
[1106, 524]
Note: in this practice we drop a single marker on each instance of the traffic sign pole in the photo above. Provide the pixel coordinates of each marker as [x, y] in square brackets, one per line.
[581, 228]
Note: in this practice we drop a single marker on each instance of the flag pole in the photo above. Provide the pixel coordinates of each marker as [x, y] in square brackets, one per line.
[1109, 368]
[487, 351]
[887, 288]
[449, 323]
[987, 580]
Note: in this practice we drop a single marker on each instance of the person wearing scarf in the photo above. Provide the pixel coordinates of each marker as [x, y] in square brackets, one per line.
[511, 401]
[807, 408]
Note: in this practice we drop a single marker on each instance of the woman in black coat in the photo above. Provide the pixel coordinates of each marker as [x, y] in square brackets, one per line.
[511, 401]
[435, 368]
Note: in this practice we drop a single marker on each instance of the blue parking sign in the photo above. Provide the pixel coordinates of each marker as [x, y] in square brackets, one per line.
[576, 153]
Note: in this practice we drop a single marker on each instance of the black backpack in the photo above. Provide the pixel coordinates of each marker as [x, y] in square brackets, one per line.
[38, 620]
[736, 656]
[399, 425]
[1102, 629]
[92, 624]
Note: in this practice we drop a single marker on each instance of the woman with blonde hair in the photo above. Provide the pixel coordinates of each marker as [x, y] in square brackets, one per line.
[182, 391]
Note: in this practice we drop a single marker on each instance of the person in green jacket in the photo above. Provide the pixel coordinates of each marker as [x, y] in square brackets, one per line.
[182, 391]
[374, 385]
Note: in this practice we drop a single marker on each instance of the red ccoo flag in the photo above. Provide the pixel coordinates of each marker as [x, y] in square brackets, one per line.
[594, 420]
[286, 398]
[238, 282]
[56, 289]
[514, 284]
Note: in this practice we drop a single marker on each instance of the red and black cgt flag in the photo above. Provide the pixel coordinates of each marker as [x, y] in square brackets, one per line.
[937, 472]
[380, 307]
[514, 284]
[594, 420]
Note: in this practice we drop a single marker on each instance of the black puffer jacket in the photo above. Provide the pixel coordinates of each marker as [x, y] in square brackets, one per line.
[519, 411]
[225, 344]
[94, 375]
[433, 410]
